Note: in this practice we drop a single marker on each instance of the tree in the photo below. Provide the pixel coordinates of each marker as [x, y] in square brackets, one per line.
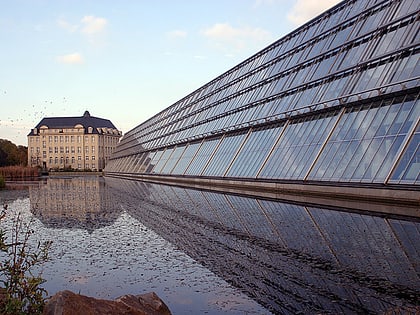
[10, 154]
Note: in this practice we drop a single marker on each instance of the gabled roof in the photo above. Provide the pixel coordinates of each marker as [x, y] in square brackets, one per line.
[70, 122]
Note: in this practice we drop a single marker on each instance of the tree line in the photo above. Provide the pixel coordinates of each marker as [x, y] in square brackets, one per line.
[12, 154]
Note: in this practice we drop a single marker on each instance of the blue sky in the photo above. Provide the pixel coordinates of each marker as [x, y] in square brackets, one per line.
[126, 60]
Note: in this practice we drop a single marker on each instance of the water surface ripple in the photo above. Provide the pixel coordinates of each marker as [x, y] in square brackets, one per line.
[212, 253]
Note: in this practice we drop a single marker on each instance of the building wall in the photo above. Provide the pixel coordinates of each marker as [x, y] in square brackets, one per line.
[75, 148]
[336, 101]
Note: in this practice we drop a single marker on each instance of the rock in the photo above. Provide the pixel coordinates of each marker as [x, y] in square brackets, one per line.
[69, 303]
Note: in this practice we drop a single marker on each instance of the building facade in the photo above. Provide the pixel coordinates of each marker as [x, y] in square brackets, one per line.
[78, 143]
[335, 103]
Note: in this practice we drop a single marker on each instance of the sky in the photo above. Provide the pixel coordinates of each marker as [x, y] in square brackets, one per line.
[126, 60]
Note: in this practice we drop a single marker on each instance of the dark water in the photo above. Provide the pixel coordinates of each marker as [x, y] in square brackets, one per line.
[208, 253]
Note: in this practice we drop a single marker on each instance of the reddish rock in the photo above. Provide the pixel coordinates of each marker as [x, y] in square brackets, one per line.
[69, 303]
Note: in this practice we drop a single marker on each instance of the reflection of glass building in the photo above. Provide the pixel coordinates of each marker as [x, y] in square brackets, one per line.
[334, 103]
[77, 202]
[291, 258]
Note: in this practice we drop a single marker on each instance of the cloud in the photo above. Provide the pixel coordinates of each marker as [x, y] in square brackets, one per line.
[223, 34]
[74, 58]
[71, 28]
[177, 34]
[92, 25]
[89, 25]
[304, 10]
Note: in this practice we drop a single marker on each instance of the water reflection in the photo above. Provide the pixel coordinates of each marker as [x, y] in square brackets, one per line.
[291, 258]
[99, 249]
[78, 202]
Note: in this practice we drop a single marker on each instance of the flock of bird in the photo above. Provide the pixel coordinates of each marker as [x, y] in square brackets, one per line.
[30, 116]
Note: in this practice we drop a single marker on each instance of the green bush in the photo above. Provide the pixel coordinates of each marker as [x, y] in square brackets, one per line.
[22, 291]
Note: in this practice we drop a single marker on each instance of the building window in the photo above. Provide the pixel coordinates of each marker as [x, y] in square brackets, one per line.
[93, 149]
[50, 150]
[61, 149]
[79, 158]
[55, 138]
[93, 158]
[79, 139]
[72, 149]
[44, 154]
[67, 150]
[55, 149]
[87, 157]
[72, 138]
[56, 160]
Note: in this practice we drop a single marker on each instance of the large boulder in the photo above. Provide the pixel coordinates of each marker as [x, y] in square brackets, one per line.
[69, 303]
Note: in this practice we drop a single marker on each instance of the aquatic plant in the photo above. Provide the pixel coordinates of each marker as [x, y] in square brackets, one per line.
[2, 182]
[21, 281]
[19, 172]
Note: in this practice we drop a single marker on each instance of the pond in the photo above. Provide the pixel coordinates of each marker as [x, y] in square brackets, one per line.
[204, 252]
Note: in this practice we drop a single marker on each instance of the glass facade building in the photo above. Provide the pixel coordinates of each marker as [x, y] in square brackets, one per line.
[335, 102]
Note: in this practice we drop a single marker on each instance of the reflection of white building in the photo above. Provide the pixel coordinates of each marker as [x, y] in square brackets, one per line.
[80, 201]
[81, 143]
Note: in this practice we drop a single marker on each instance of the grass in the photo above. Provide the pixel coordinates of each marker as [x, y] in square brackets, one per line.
[18, 172]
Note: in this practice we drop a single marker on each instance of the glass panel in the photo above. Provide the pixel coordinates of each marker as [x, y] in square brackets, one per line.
[172, 160]
[186, 158]
[223, 156]
[368, 149]
[408, 169]
[202, 156]
[165, 156]
[149, 164]
[254, 152]
[297, 148]
[384, 159]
